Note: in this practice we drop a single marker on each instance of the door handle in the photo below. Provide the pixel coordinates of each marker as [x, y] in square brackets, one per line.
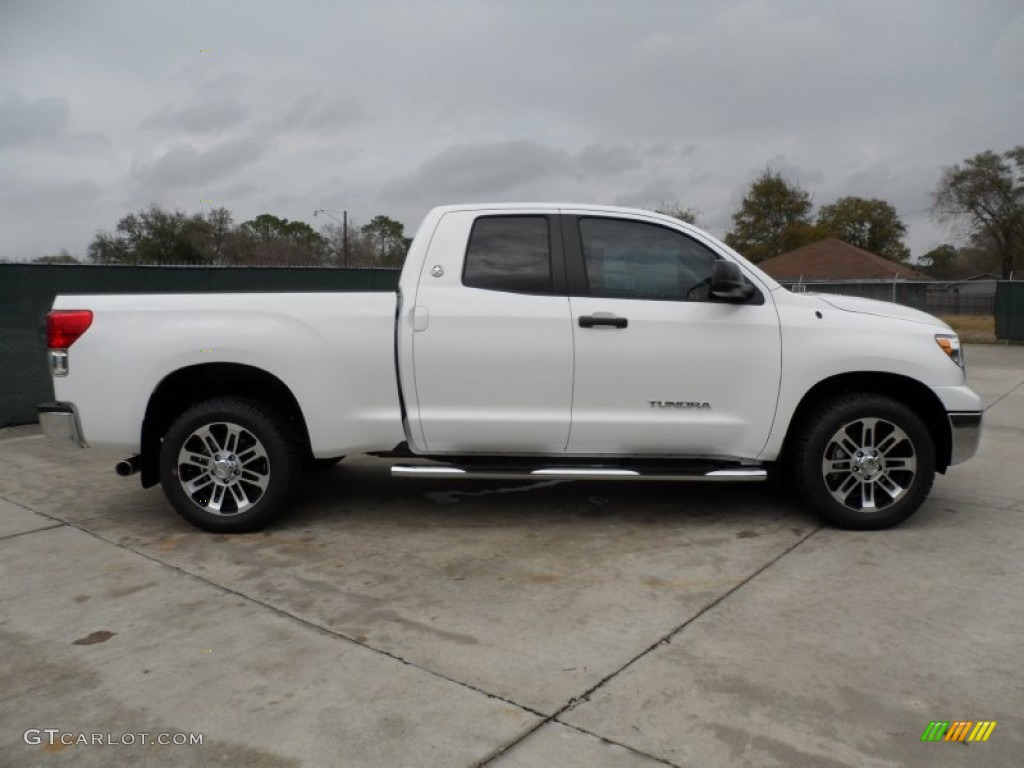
[589, 321]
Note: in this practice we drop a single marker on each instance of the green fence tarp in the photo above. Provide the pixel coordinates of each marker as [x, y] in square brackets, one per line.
[1010, 311]
[27, 292]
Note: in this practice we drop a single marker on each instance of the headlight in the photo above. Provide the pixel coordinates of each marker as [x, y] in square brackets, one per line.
[950, 344]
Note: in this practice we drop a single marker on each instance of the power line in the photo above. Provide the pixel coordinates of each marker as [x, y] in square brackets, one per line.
[914, 213]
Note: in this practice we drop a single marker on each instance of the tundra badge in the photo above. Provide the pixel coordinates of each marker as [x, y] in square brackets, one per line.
[678, 404]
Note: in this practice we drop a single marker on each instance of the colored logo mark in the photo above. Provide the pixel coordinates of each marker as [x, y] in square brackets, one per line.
[958, 730]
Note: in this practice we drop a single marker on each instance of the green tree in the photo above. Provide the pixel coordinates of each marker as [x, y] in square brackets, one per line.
[869, 224]
[797, 235]
[153, 236]
[947, 262]
[156, 236]
[388, 241]
[267, 228]
[986, 194]
[941, 262]
[774, 214]
[280, 241]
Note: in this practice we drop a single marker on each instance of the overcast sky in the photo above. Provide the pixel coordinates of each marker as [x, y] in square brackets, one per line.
[394, 107]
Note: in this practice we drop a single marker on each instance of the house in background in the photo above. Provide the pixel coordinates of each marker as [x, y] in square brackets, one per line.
[832, 266]
[833, 260]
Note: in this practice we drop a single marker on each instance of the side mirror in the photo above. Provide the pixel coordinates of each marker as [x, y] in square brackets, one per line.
[727, 282]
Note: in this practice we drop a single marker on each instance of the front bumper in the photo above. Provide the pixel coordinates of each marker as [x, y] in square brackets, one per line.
[965, 431]
[60, 423]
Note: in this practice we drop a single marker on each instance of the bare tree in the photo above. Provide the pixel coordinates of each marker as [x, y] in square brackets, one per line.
[677, 210]
[986, 196]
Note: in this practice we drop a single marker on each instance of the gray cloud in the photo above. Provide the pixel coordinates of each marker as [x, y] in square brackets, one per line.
[321, 112]
[43, 125]
[657, 191]
[493, 171]
[794, 171]
[606, 160]
[473, 170]
[396, 106]
[186, 166]
[23, 120]
[207, 116]
[74, 195]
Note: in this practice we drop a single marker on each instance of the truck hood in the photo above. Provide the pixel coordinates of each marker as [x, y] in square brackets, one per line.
[880, 309]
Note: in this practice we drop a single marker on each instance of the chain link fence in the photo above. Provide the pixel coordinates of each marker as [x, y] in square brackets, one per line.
[27, 292]
[964, 297]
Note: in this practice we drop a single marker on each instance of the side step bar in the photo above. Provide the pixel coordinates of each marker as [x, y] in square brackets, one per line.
[739, 474]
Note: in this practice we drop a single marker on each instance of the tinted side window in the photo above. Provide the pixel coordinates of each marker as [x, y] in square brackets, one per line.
[634, 260]
[509, 253]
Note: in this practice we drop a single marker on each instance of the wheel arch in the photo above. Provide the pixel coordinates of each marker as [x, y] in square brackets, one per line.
[185, 387]
[912, 393]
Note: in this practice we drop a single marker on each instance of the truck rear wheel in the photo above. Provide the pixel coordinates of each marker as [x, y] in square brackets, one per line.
[226, 465]
[865, 462]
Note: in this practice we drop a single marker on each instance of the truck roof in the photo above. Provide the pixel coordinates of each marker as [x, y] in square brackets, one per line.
[549, 207]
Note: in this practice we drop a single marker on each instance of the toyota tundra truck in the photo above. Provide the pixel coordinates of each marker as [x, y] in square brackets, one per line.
[527, 341]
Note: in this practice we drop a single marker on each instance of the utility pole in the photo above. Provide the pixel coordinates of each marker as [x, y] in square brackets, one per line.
[344, 231]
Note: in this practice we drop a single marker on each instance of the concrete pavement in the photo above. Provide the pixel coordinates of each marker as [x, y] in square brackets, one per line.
[389, 623]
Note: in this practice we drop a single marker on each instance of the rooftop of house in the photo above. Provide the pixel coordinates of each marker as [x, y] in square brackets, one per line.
[833, 259]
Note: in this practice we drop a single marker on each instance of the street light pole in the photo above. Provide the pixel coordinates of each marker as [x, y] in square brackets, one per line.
[344, 231]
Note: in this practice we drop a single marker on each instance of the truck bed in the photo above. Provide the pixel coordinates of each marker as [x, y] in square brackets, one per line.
[332, 349]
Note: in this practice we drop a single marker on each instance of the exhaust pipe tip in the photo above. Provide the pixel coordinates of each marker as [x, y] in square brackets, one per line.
[128, 467]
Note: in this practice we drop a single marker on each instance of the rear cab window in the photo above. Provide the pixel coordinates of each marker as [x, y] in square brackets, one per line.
[509, 253]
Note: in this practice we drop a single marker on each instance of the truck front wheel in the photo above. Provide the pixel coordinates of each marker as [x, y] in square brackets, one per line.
[865, 462]
[226, 465]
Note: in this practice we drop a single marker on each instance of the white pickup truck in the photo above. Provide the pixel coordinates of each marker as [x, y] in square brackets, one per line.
[525, 341]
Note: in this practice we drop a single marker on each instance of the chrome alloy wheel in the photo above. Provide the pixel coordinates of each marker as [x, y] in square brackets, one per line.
[869, 464]
[223, 468]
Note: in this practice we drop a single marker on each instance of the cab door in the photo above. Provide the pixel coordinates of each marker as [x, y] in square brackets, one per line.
[662, 369]
[492, 337]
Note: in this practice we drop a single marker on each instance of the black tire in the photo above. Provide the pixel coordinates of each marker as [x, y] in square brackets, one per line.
[864, 461]
[321, 465]
[246, 453]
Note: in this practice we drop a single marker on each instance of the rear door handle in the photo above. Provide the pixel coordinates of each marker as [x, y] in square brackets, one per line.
[590, 321]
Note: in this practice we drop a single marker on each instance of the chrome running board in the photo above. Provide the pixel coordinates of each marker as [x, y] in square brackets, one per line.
[739, 474]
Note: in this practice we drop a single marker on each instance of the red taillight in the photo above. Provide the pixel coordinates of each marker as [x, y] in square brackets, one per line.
[64, 326]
